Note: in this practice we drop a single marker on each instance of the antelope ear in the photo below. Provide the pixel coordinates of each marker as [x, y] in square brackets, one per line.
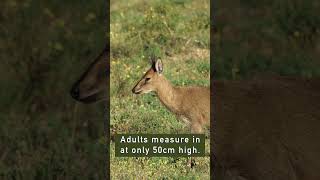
[159, 66]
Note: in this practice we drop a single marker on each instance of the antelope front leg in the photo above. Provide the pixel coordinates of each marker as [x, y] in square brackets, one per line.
[195, 129]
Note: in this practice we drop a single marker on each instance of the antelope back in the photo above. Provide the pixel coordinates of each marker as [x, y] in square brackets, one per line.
[268, 127]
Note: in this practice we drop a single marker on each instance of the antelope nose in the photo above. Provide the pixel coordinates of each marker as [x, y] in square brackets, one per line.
[75, 92]
[133, 91]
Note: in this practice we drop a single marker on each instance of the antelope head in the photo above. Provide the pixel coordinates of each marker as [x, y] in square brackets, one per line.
[92, 84]
[151, 80]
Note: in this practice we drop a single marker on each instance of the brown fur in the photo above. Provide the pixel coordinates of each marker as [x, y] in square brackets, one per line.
[92, 84]
[191, 104]
[266, 129]
[263, 129]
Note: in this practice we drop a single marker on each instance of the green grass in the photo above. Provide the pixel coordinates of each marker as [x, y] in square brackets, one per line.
[280, 37]
[178, 32]
[44, 46]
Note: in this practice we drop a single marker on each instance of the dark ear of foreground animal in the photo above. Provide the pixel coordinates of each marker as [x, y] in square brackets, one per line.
[92, 84]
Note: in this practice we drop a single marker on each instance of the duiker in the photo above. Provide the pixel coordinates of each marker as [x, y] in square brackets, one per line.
[190, 104]
[92, 84]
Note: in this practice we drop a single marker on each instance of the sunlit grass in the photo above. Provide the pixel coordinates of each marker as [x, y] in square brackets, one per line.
[139, 30]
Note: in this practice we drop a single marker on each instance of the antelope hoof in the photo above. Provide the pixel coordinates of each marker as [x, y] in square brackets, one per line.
[191, 163]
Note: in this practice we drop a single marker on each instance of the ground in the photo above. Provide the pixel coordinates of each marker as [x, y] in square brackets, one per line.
[178, 32]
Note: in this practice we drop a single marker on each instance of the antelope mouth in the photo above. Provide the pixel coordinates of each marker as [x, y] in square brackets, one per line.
[136, 91]
[96, 97]
[89, 99]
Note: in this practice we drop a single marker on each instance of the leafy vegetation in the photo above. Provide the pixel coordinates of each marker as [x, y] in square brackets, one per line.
[178, 32]
[44, 46]
[279, 37]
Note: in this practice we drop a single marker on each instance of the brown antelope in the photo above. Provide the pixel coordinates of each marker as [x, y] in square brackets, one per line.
[263, 129]
[266, 129]
[191, 104]
[92, 85]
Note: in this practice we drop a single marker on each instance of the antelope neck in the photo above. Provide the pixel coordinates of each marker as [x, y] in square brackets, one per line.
[167, 93]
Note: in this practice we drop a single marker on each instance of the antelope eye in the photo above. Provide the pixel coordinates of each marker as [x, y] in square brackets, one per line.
[147, 79]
